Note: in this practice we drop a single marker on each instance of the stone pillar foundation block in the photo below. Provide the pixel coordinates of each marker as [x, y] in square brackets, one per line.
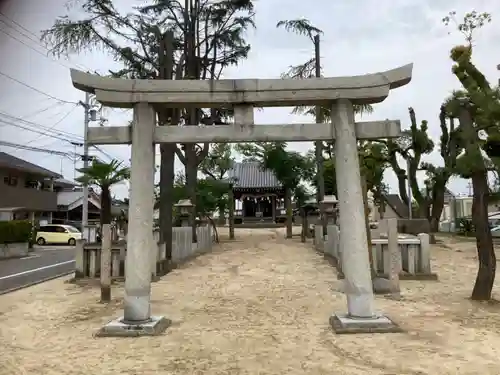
[343, 323]
[118, 328]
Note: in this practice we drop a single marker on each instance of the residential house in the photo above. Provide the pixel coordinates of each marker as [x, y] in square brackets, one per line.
[26, 189]
[461, 206]
[70, 206]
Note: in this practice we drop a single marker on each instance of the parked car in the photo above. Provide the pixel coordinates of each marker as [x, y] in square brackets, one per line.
[57, 234]
[495, 231]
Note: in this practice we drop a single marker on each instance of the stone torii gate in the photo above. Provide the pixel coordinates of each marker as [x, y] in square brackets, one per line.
[147, 96]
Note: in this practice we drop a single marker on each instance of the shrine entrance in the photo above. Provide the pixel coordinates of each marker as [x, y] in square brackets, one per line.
[340, 94]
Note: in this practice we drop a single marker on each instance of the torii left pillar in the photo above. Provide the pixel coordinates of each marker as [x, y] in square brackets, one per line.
[137, 319]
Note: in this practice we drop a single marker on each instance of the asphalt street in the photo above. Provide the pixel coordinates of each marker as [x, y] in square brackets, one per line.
[44, 263]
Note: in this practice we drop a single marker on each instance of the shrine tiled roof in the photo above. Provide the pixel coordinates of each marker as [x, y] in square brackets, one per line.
[250, 175]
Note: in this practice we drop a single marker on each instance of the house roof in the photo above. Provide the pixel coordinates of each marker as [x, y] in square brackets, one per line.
[10, 161]
[65, 183]
[448, 195]
[65, 198]
[399, 207]
[250, 175]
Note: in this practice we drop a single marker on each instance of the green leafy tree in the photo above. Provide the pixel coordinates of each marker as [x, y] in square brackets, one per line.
[215, 166]
[478, 109]
[208, 194]
[374, 163]
[412, 147]
[104, 176]
[209, 35]
[310, 69]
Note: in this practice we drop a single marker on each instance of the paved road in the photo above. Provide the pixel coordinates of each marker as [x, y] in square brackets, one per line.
[45, 262]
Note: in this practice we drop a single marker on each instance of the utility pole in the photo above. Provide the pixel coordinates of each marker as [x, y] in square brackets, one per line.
[410, 193]
[469, 186]
[85, 203]
[320, 191]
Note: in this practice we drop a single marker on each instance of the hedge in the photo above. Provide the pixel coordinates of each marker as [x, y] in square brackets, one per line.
[15, 231]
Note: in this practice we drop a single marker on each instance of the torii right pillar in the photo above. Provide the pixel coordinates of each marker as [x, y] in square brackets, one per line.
[361, 316]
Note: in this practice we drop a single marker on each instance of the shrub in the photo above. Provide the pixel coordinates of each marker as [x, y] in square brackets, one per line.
[15, 231]
[464, 226]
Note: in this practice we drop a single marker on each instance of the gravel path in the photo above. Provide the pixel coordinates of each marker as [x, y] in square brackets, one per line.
[259, 305]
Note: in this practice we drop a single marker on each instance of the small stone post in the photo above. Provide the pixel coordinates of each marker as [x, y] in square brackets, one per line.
[425, 254]
[394, 256]
[231, 213]
[303, 233]
[106, 263]
[289, 213]
[79, 260]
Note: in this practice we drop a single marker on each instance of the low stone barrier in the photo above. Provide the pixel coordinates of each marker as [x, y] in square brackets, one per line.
[415, 253]
[88, 256]
[415, 257]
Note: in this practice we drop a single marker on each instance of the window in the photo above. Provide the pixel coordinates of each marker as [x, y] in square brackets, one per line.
[60, 230]
[10, 180]
[47, 229]
[31, 184]
[72, 230]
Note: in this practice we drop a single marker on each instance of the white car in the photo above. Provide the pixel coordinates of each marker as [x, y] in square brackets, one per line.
[495, 231]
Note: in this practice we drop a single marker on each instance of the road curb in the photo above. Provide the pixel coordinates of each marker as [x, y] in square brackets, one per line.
[36, 282]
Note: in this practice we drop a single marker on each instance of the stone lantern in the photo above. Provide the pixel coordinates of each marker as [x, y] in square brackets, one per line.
[329, 208]
[184, 211]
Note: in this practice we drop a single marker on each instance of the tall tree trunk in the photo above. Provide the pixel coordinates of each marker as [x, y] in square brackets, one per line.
[105, 217]
[167, 151]
[105, 277]
[367, 225]
[485, 251]
[167, 175]
[402, 184]
[289, 213]
[437, 207]
[192, 113]
[191, 181]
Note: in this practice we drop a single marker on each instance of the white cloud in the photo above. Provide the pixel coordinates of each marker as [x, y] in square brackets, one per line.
[361, 36]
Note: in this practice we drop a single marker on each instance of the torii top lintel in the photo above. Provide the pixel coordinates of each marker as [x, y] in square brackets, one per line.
[124, 93]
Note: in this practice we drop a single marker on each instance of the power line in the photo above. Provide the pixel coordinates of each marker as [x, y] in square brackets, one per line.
[55, 124]
[61, 138]
[38, 126]
[30, 36]
[31, 47]
[45, 109]
[35, 89]
[36, 149]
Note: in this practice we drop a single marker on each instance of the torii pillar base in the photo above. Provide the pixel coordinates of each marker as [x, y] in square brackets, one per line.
[342, 324]
[155, 326]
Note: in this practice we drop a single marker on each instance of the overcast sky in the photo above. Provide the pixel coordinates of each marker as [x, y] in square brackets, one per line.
[361, 36]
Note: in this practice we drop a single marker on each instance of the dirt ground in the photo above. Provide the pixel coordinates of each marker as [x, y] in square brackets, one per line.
[259, 305]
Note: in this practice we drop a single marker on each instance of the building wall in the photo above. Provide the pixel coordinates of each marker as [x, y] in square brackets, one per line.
[463, 207]
[389, 213]
[20, 196]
